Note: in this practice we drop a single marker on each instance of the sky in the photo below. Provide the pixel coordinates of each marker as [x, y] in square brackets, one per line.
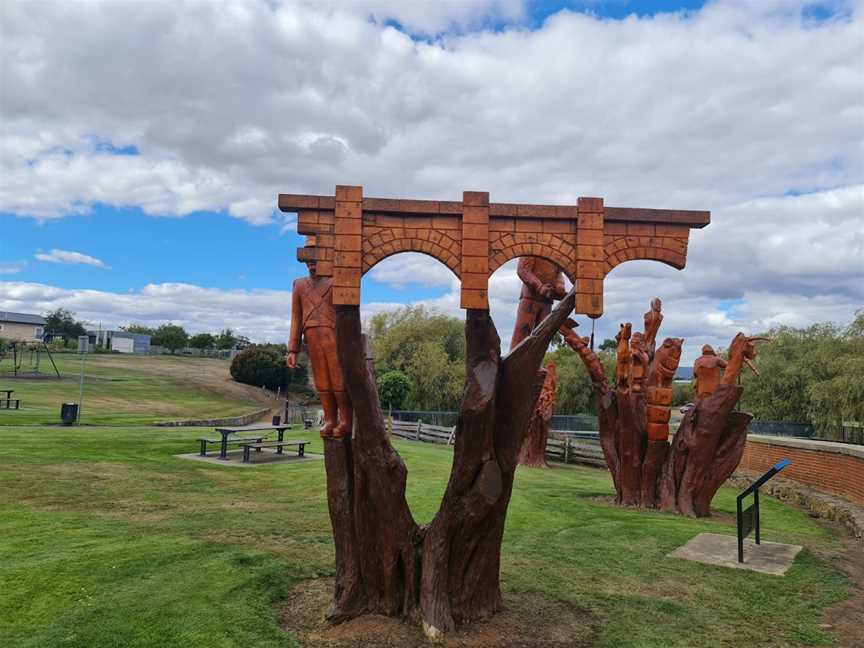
[142, 147]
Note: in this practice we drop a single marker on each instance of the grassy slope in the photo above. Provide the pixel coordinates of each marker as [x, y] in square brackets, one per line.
[126, 389]
[108, 540]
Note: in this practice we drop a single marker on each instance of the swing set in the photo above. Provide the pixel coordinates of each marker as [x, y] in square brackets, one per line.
[27, 358]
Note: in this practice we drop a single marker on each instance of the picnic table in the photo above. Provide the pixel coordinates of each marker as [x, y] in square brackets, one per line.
[228, 431]
[8, 400]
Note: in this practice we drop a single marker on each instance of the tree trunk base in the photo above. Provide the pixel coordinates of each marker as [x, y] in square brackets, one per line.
[446, 573]
[680, 477]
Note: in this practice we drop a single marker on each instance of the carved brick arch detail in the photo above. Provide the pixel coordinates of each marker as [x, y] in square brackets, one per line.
[383, 240]
[347, 234]
[554, 249]
[666, 244]
[436, 252]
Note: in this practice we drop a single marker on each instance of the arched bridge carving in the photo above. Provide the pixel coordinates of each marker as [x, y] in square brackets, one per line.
[348, 234]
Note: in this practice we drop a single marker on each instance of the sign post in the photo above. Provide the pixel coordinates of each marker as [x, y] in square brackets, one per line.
[748, 519]
[83, 349]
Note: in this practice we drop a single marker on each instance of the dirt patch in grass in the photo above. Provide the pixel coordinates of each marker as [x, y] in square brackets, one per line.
[844, 619]
[532, 621]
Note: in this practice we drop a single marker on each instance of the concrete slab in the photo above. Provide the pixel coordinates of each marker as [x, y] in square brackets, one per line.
[266, 457]
[715, 549]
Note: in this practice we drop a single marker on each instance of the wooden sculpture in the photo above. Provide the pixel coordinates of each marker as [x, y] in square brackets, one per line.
[542, 284]
[314, 319]
[533, 451]
[445, 573]
[634, 421]
[708, 370]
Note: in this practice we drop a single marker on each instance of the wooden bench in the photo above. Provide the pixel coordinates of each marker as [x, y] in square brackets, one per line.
[279, 445]
[234, 441]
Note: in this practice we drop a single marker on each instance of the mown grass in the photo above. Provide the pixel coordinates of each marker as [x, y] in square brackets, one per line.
[126, 390]
[108, 539]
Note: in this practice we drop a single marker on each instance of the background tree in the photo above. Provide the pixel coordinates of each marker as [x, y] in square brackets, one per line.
[170, 336]
[811, 375]
[393, 388]
[139, 329]
[575, 394]
[202, 341]
[63, 323]
[428, 348]
[608, 345]
[226, 339]
[261, 366]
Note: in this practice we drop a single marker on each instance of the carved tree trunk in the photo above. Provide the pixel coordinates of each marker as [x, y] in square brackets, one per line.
[533, 450]
[685, 476]
[446, 573]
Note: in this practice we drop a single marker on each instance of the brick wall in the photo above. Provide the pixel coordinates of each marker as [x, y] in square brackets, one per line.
[831, 467]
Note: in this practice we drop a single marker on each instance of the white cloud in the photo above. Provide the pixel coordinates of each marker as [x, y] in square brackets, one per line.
[258, 314]
[12, 267]
[69, 257]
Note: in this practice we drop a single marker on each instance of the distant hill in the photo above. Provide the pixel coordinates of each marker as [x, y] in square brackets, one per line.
[684, 374]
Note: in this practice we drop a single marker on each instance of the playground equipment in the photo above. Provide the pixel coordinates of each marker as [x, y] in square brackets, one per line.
[27, 358]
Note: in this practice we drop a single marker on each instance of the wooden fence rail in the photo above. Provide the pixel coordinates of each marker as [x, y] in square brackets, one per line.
[563, 446]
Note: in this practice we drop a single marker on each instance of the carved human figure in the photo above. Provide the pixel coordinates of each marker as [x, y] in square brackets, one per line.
[624, 358]
[542, 283]
[638, 363]
[708, 370]
[314, 319]
[653, 318]
[659, 388]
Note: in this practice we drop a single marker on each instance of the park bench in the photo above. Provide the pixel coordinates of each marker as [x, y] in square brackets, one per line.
[279, 445]
[233, 441]
[8, 401]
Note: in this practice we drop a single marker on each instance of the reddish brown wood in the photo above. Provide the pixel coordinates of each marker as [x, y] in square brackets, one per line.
[691, 218]
[646, 470]
[533, 450]
[446, 573]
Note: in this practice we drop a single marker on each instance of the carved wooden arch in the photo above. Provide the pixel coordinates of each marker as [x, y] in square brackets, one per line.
[662, 253]
[565, 261]
[347, 234]
[374, 258]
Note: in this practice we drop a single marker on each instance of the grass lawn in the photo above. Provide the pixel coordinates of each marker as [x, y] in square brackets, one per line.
[109, 540]
[127, 389]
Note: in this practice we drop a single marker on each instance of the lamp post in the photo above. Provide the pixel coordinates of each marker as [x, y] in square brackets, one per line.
[83, 348]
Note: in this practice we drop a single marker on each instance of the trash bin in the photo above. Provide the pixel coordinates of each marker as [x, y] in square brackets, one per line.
[277, 420]
[69, 413]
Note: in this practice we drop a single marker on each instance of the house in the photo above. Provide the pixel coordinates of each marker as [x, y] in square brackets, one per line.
[22, 327]
[121, 341]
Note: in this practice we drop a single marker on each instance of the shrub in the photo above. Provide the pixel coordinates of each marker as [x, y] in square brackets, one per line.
[393, 388]
[260, 366]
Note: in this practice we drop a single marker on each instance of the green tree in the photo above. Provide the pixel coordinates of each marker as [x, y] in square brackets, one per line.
[202, 341]
[812, 375]
[139, 329]
[261, 366]
[226, 339]
[170, 336]
[393, 389]
[608, 345]
[429, 348]
[63, 323]
[575, 394]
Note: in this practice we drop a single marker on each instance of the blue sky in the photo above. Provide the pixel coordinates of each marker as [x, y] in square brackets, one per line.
[154, 181]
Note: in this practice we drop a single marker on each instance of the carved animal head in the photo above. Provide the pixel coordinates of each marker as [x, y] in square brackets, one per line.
[745, 348]
[624, 332]
[638, 341]
[668, 356]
